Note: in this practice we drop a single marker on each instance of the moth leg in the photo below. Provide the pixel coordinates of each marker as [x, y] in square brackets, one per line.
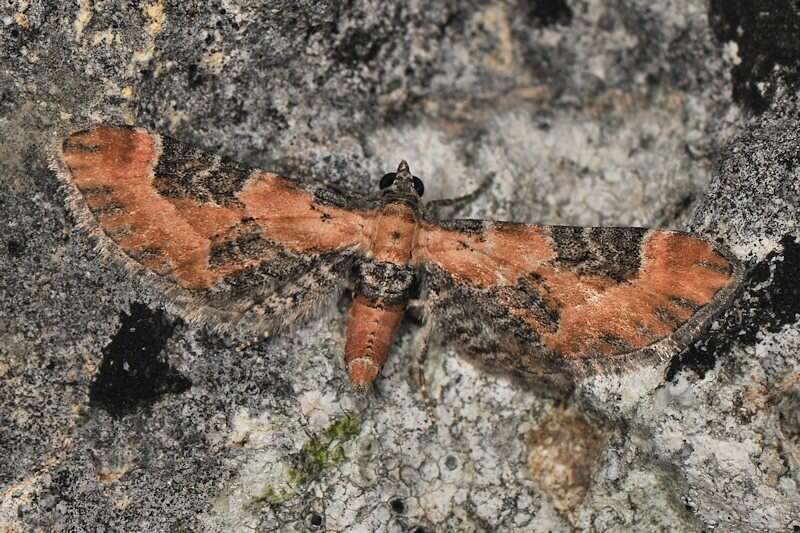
[460, 202]
[420, 350]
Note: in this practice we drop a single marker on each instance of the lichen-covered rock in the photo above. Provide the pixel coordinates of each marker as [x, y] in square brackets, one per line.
[116, 415]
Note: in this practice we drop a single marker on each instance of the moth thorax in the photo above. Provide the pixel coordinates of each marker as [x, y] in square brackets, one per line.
[395, 234]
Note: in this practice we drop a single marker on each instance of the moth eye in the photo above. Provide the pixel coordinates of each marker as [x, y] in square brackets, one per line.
[387, 180]
[419, 186]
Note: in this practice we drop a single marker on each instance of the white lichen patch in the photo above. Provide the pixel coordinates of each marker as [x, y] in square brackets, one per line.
[578, 169]
[319, 408]
[647, 488]
[262, 480]
[264, 475]
[251, 431]
[626, 390]
[718, 428]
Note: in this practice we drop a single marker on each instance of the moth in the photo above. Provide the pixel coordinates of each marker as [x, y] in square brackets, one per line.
[238, 246]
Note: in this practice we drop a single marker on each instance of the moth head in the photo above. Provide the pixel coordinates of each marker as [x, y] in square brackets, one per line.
[402, 182]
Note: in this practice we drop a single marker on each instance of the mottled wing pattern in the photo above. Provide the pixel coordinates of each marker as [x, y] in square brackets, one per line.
[232, 243]
[539, 300]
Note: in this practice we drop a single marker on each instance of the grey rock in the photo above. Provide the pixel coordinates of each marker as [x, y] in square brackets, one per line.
[117, 416]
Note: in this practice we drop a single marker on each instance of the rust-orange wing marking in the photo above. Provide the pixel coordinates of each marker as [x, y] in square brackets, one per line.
[139, 196]
[575, 294]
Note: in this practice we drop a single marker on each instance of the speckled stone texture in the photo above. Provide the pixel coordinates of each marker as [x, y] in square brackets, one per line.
[117, 416]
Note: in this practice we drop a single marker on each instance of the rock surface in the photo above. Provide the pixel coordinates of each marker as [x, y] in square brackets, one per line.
[115, 415]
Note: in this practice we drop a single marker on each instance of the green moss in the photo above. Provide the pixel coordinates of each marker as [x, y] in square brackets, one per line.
[320, 453]
[325, 450]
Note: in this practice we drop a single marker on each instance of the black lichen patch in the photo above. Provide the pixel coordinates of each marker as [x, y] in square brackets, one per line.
[15, 248]
[769, 300]
[544, 13]
[133, 371]
[700, 357]
[195, 76]
[767, 36]
[360, 46]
